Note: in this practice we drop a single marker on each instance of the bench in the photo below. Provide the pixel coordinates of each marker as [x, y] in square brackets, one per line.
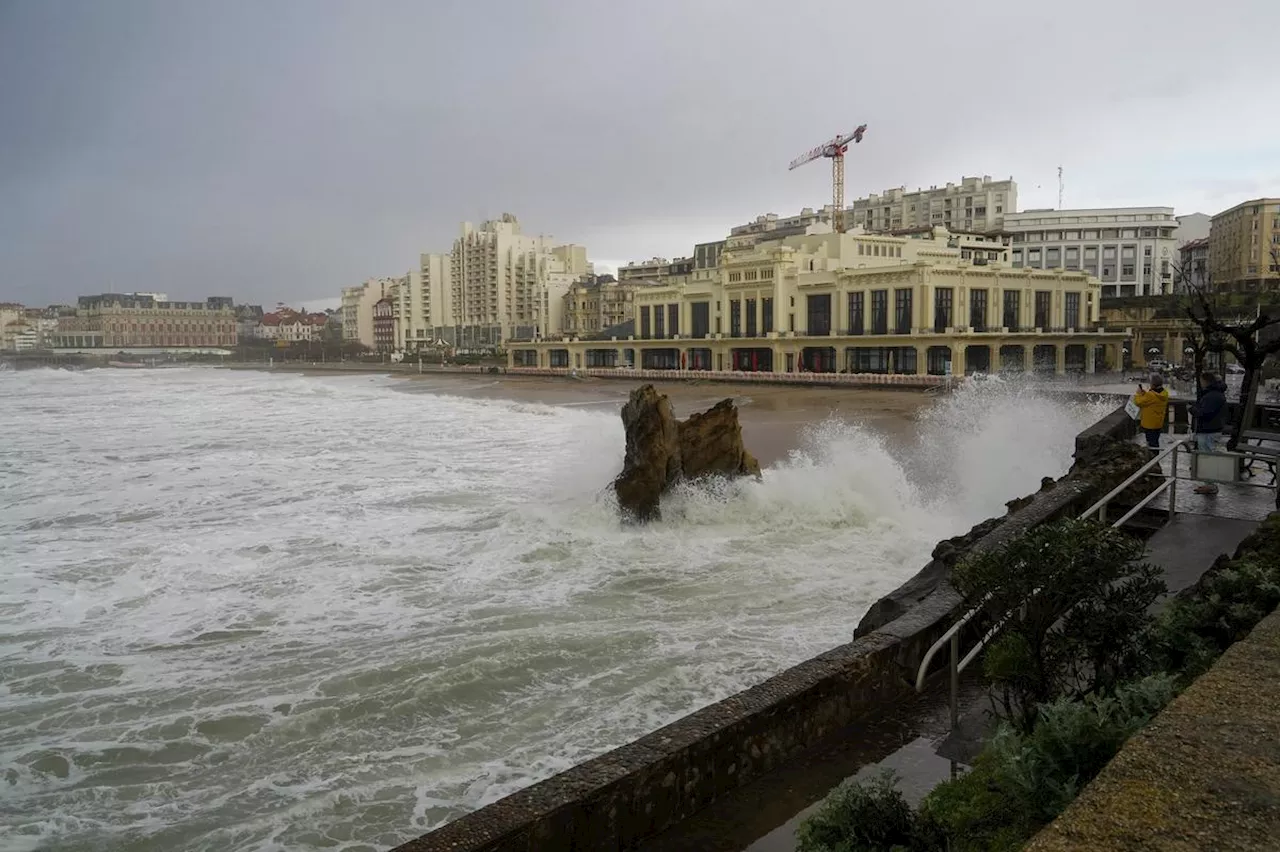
[1254, 443]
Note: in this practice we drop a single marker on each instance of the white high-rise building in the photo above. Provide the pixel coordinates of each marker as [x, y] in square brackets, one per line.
[504, 284]
[422, 307]
[1130, 249]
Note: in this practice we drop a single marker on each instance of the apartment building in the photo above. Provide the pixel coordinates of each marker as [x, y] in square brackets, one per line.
[975, 204]
[12, 324]
[384, 324]
[1193, 266]
[1244, 247]
[596, 304]
[1131, 250]
[422, 305]
[140, 320]
[770, 226]
[357, 309]
[856, 302]
[504, 284]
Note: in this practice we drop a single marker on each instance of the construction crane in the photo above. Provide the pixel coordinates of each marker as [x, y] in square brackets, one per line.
[834, 150]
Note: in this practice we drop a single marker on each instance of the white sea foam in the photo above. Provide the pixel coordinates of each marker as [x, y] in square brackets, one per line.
[248, 611]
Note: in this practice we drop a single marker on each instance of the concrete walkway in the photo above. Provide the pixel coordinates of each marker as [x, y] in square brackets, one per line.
[1189, 544]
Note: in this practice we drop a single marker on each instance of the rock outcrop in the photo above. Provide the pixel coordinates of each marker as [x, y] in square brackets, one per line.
[662, 451]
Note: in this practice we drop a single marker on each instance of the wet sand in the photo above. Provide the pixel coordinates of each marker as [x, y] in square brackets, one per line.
[773, 417]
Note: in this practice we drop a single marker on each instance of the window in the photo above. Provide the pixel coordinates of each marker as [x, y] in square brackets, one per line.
[943, 298]
[751, 317]
[856, 307]
[1126, 272]
[1072, 310]
[1042, 308]
[1011, 305]
[644, 321]
[978, 310]
[879, 311]
[735, 318]
[673, 319]
[659, 322]
[1017, 258]
[818, 309]
[902, 310]
[766, 319]
[701, 312]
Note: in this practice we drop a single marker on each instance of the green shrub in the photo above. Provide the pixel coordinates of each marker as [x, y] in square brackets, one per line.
[860, 816]
[1079, 634]
[1194, 630]
[1022, 782]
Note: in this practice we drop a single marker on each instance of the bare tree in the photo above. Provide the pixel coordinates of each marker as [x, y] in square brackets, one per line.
[1219, 328]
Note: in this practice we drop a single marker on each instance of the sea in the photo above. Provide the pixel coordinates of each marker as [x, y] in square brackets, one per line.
[259, 611]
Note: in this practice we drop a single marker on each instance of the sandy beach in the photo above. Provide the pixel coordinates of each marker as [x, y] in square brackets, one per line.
[773, 416]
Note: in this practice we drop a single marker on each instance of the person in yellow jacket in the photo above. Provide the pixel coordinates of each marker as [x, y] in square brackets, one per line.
[1154, 405]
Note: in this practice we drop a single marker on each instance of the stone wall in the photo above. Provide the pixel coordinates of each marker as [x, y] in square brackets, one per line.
[633, 792]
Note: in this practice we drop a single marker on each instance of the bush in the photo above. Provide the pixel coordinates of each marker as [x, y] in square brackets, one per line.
[1195, 630]
[1022, 782]
[860, 816]
[1079, 634]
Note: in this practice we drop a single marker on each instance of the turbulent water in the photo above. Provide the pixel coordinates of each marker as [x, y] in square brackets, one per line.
[245, 611]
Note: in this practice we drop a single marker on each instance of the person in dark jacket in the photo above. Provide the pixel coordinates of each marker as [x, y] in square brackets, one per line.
[1210, 412]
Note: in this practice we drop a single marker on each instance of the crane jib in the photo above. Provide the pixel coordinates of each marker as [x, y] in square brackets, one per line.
[833, 148]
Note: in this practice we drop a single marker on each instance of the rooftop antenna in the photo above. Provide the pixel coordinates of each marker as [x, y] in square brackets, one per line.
[1059, 187]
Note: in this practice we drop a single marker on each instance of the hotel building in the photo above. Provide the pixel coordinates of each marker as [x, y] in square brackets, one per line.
[1129, 249]
[140, 320]
[857, 303]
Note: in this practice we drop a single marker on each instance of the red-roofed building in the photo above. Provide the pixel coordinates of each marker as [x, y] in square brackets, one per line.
[291, 326]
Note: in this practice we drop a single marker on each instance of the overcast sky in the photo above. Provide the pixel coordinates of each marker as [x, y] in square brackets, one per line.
[282, 149]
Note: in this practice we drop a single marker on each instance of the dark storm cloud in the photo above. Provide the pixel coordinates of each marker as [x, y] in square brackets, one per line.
[286, 149]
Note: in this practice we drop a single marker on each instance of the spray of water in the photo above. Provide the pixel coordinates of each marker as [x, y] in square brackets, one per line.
[267, 612]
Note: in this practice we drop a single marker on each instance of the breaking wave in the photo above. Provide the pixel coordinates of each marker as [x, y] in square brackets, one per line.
[247, 611]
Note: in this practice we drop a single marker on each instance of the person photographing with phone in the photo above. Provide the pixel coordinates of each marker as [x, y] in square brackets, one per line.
[1154, 405]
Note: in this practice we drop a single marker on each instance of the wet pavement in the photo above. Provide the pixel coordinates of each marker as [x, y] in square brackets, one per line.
[1252, 499]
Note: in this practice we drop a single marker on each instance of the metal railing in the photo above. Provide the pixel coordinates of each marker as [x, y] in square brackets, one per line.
[952, 636]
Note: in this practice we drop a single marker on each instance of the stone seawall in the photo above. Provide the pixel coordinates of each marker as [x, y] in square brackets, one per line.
[637, 790]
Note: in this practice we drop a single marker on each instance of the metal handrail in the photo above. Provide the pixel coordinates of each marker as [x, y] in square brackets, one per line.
[1100, 507]
[952, 635]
